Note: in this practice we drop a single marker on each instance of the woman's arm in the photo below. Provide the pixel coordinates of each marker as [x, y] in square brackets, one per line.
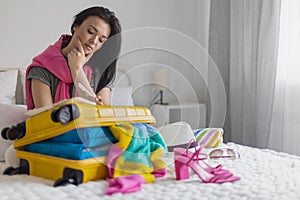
[41, 93]
[104, 96]
[76, 61]
[82, 85]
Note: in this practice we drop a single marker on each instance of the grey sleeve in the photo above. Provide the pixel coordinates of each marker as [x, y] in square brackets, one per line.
[40, 74]
[45, 76]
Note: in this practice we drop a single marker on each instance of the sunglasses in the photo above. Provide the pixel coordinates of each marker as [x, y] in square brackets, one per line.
[224, 153]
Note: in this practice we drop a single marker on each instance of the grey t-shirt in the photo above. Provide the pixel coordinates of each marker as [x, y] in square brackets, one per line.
[44, 75]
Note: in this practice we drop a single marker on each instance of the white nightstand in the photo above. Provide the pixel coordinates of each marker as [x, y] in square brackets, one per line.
[192, 113]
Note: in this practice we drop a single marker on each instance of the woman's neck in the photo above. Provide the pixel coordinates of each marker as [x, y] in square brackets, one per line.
[66, 45]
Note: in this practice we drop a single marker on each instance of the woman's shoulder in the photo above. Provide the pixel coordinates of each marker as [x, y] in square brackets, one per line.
[39, 71]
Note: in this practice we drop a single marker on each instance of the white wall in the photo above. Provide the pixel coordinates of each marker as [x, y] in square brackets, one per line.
[28, 27]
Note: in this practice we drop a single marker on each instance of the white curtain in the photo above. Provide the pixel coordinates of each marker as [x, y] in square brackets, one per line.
[254, 30]
[285, 127]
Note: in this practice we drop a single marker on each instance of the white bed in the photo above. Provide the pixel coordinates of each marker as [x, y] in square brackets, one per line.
[265, 174]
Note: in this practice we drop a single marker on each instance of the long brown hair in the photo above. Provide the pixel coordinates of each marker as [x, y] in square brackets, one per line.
[104, 61]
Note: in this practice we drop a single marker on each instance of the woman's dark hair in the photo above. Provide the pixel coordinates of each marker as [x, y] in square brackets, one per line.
[103, 62]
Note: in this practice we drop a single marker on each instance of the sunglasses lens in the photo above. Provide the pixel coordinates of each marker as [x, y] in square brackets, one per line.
[231, 152]
[216, 153]
[223, 153]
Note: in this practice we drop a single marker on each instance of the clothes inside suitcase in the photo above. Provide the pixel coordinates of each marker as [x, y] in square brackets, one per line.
[77, 144]
[68, 142]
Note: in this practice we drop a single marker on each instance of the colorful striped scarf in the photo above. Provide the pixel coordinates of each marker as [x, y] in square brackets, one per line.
[136, 154]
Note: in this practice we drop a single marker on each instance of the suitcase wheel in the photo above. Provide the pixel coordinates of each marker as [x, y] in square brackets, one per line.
[14, 132]
[64, 182]
[70, 176]
[3, 133]
[65, 114]
[22, 169]
[11, 171]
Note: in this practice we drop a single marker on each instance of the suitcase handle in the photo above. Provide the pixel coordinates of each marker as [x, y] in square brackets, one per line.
[65, 114]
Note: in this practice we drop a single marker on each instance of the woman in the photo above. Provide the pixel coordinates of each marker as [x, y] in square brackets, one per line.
[61, 71]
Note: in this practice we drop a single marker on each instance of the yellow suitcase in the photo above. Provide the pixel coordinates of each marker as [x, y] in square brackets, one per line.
[57, 119]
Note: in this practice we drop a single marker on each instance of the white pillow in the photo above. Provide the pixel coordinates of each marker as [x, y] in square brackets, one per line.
[20, 88]
[178, 134]
[10, 115]
[121, 96]
[8, 83]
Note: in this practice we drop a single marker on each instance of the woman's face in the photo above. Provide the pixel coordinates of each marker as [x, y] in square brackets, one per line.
[93, 32]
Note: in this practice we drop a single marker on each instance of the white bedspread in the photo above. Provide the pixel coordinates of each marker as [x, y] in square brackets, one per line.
[264, 175]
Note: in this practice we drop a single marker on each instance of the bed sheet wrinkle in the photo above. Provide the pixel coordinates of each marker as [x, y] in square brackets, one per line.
[264, 174]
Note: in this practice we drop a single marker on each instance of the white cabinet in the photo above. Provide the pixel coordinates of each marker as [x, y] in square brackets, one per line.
[192, 113]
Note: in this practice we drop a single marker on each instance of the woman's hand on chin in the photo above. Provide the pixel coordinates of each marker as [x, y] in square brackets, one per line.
[77, 57]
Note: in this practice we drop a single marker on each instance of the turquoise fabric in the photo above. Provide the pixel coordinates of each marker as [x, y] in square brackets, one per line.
[77, 144]
[90, 137]
[67, 150]
[145, 140]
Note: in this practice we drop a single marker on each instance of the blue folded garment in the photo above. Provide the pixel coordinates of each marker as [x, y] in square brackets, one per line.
[67, 150]
[90, 137]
